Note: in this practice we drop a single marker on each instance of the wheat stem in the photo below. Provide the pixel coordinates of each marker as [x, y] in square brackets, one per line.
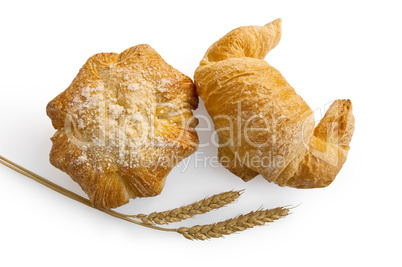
[70, 194]
[198, 232]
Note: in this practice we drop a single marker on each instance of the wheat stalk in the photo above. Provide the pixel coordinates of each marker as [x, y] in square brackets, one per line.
[237, 224]
[8, 163]
[198, 232]
[200, 207]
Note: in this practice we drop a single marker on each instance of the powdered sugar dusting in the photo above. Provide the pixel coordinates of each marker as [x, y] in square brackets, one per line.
[121, 120]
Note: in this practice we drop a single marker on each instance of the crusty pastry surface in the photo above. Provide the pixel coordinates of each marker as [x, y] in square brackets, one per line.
[124, 122]
[264, 126]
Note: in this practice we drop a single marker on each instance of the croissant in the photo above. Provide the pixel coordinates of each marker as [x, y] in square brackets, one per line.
[263, 126]
[124, 122]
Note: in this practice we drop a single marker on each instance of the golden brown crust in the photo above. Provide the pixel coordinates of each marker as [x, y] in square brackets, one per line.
[264, 127]
[122, 124]
[328, 148]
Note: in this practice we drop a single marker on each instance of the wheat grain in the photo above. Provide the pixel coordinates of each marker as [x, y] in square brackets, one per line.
[237, 224]
[200, 207]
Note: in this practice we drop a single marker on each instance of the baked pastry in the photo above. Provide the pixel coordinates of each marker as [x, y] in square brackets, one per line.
[263, 126]
[124, 122]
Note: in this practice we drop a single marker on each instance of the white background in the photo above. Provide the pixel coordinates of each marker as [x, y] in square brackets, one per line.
[349, 49]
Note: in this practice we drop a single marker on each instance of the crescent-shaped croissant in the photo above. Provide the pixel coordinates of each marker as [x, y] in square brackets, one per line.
[263, 126]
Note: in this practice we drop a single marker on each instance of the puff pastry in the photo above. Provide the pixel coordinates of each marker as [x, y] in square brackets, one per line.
[124, 122]
[263, 126]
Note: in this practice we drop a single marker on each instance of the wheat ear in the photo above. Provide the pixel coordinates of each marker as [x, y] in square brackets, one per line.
[200, 207]
[237, 224]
